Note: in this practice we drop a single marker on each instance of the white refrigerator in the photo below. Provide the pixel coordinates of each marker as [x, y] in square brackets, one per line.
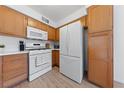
[71, 51]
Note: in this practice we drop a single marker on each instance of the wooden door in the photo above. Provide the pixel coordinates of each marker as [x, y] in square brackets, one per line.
[100, 59]
[53, 57]
[12, 22]
[43, 27]
[34, 23]
[15, 69]
[0, 72]
[20, 25]
[57, 34]
[51, 33]
[100, 18]
[57, 58]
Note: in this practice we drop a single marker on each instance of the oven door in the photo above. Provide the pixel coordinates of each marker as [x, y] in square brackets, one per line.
[39, 62]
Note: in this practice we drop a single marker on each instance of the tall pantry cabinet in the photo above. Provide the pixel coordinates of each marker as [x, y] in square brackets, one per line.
[100, 28]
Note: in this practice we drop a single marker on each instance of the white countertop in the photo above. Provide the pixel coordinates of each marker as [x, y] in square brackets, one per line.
[55, 49]
[12, 52]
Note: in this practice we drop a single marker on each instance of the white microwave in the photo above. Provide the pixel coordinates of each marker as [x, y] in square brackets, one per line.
[34, 33]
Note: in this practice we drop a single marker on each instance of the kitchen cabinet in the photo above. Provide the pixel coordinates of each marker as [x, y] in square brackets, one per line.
[43, 27]
[51, 33]
[55, 58]
[84, 21]
[12, 23]
[100, 41]
[15, 69]
[37, 24]
[34, 23]
[0, 72]
[57, 34]
[100, 18]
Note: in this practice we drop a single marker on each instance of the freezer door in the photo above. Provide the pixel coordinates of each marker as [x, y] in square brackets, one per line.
[75, 44]
[71, 67]
[63, 40]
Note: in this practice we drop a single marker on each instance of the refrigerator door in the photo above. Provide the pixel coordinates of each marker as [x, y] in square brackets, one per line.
[75, 44]
[63, 40]
[71, 67]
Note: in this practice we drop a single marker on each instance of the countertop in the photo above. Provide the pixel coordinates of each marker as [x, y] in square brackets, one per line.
[12, 52]
[4, 53]
[55, 49]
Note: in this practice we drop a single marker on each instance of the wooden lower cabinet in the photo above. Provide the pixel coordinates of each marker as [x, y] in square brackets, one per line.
[55, 58]
[15, 69]
[0, 72]
[100, 63]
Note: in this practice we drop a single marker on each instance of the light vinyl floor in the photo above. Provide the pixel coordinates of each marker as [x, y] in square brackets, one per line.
[54, 79]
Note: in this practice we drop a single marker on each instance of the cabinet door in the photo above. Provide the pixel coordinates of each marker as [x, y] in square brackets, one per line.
[43, 27]
[0, 72]
[12, 22]
[51, 33]
[57, 58]
[53, 58]
[14, 69]
[100, 59]
[84, 21]
[33, 23]
[57, 34]
[100, 18]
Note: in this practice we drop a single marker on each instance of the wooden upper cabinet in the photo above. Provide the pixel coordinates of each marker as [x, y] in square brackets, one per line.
[34, 23]
[100, 59]
[0, 72]
[84, 21]
[43, 27]
[57, 34]
[15, 69]
[51, 33]
[12, 22]
[100, 18]
[37, 24]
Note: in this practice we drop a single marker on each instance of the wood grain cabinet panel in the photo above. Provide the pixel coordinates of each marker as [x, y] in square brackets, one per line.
[12, 22]
[51, 33]
[57, 34]
[15, 69]
[43, 27]
[55, 58]
[100, 59]
[84, 21]
[0, 72]
[100, 18]
[34, 23]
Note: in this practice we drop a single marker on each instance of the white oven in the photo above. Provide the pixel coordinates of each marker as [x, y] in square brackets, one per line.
[34, 33]
[40, 62]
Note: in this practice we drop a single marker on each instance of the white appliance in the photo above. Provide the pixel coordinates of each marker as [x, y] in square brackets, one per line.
[34, 33]
[71, 51]
[40, 60]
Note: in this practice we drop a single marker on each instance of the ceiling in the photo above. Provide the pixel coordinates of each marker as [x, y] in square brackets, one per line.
[56, 12]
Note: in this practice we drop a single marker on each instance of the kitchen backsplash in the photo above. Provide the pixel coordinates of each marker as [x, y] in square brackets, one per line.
[12, 43]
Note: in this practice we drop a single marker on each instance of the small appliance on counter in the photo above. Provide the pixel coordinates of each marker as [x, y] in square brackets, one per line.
[21, 45]
[56, 46]
[47, 45]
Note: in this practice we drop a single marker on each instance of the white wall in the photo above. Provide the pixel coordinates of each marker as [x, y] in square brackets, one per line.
[12, 43]
[119, 43]
[79, 13]
[29, 12]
